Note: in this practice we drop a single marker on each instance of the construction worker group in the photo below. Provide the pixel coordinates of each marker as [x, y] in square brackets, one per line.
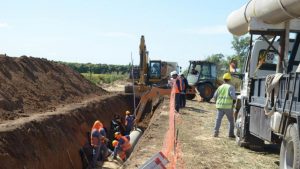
[224, 97]
[179, 85]
[120, 146]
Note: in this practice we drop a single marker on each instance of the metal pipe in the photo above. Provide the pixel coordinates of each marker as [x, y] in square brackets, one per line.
[134, 137]
[268, 11]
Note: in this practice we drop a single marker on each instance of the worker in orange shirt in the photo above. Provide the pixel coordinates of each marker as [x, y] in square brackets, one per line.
[99, 142]
[177, 88]
[122, 146]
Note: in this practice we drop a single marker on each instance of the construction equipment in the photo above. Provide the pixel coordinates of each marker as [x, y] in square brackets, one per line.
[270, 93]
[152, 81]
[149, 73]
[202, 80]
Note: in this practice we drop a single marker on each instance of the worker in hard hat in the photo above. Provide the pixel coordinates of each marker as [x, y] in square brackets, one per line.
[123, 146]
[225, 97]
[177, 89]
[118, 151]
[96, 141]
[129, 122]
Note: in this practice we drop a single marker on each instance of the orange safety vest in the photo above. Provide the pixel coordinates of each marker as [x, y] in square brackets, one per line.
[126, 145]
[95, 141]
[175, 85]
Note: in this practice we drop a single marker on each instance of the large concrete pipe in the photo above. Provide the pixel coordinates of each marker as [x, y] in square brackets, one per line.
[268, 11]
[134, 137]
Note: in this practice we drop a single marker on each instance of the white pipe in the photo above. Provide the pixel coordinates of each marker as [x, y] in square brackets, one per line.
[134, 137]
[268, 11]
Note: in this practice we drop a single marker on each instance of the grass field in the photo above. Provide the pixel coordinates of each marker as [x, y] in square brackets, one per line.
[104, 78]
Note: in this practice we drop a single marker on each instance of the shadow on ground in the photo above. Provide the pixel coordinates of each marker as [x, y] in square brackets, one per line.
[197, 110]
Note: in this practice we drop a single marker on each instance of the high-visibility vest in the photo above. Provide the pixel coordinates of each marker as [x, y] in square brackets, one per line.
[224, 101]
[126, 145]
[175, 85]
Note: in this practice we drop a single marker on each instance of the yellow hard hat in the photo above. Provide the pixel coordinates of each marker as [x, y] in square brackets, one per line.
[127, 112]
[227, 76]
[114, 143]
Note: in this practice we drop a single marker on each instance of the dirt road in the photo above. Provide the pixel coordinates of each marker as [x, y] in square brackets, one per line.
[199, 148]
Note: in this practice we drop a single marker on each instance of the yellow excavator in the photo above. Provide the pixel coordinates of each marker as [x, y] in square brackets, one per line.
[150, 79]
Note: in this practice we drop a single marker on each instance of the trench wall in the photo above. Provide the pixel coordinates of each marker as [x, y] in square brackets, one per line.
[53, 140]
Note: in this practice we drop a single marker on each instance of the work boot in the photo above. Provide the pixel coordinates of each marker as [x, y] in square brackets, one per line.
[216, 135]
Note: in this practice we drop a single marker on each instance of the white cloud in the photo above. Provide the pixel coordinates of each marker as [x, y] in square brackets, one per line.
[3, 25]
[208, 30]
[115, 34]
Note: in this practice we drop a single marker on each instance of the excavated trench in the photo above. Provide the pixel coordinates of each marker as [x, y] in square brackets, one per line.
[53, 140]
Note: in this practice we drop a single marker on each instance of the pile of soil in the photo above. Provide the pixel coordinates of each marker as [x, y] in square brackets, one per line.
[34, 85]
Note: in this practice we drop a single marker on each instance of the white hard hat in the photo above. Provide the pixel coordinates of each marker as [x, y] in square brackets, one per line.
[174, 73]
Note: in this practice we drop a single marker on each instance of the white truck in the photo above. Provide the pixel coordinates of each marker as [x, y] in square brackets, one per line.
[270, 94]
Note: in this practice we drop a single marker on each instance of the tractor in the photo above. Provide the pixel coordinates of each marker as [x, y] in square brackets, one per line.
[202, 80]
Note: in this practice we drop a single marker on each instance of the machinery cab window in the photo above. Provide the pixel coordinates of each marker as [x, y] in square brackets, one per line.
[155, 69]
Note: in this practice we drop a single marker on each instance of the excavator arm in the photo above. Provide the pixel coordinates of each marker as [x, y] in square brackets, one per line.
[143, 61]
[153, 94]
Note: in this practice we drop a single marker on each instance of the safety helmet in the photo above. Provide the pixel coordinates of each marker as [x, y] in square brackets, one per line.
[174, 73]
[127, 112]
[115, 143]
[118, 135]
[97, 125]
[227, 76]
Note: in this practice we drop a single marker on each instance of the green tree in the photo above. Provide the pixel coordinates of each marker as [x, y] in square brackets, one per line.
[240, 45]
[220, 61]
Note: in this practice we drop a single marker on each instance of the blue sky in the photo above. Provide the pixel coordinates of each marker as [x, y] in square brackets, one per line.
[107, 31]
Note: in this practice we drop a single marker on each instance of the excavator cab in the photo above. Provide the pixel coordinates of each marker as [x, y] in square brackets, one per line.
[154, 71]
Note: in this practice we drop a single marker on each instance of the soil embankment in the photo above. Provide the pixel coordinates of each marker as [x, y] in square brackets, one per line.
[46, 110]
[34, 85]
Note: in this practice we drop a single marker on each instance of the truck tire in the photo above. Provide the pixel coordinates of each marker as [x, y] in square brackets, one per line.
[206, 91]
[290, 149]
[190, 96]
[238, 130]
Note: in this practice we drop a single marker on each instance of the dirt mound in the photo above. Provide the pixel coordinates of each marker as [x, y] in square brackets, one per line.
[34, 85]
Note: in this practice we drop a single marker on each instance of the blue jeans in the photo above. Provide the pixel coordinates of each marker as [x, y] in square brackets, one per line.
[177, 102]
[96, 153]
[229, 115]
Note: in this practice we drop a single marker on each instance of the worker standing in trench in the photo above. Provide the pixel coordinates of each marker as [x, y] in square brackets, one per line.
[129, 122]
[99, 143]
[225, 96]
